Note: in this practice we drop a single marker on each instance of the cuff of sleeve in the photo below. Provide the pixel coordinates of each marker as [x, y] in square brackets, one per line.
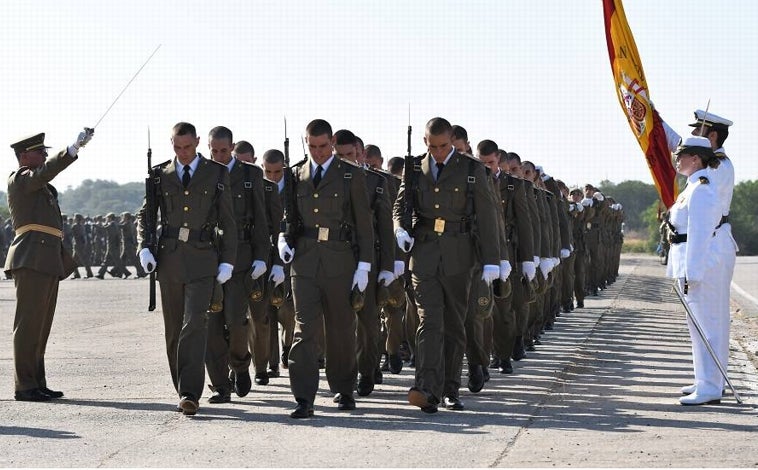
[364, 266]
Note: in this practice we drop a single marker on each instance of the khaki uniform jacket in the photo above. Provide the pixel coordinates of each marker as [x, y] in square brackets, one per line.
[445, 199]
[198, 207]
[518, 223]
[322, 208]
[248, 203]
[32, 200]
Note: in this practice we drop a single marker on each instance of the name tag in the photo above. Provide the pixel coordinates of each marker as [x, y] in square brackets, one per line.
[184, 234]
[439, 225]
[323, 234]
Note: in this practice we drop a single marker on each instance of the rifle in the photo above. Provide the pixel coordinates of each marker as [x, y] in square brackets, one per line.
[151, 211]
[290, 226]
[406, 218]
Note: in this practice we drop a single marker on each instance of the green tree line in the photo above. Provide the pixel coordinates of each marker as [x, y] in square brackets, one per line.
[640, 202]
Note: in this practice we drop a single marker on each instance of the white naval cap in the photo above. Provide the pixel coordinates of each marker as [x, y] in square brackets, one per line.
[710, 119]
[695, 145]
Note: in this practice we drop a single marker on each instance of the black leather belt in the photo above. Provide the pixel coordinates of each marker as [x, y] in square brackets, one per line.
[676, 238]
[449, 226]
[187, 234]
[323, 234]
[724, 220]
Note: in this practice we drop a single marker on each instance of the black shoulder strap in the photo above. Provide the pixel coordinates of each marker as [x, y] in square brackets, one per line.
[347, 178]
[247, 185]
[470, 182]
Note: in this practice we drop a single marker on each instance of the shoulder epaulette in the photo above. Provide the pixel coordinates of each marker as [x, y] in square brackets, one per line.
[376, 172]
[214, 161]
[350, 163]
[161, 166]
[300, 163]
[704, 180]
[470, 157]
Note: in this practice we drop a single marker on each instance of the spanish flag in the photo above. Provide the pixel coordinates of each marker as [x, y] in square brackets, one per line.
[634, 98]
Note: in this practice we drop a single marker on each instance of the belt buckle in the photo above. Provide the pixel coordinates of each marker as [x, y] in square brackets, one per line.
[439, 225]
[184, 233]
[323, 234]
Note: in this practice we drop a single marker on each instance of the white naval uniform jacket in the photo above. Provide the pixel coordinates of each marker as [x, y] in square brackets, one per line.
[696, 212]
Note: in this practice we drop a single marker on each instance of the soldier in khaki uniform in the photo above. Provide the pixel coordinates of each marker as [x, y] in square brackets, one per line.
[113, 249]
[195, 199]
[129, 245]
[228, 358]
[81, 246]
[448, 198]
[333, 219]
[36, 259]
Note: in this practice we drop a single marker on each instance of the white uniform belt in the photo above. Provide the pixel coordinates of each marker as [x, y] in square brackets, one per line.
[39, 228]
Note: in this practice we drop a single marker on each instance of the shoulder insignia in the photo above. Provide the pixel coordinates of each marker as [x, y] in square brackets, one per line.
[704, 180]
[161, 166]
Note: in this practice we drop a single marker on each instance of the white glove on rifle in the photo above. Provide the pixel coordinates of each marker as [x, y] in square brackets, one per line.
[404, 240]
[259, 269]
[529, 270]
[360, 278]
[490, 272]
[147, 260]
[505, 269]
[399, 268]
[385, 276]
[599, 196]
[545, 266]
[224, 272]
[587, 202]
[286, 253]
[565, 253]
[277, 274]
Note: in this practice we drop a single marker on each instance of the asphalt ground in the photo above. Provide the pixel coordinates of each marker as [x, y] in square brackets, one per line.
[600, 391]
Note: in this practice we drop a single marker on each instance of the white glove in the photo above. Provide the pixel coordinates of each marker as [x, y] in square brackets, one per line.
[556, 262]
[545, 266]
[536, 260]
[147, 260]
[404, 240]
[81, 140]
[224, 272]
[619, 206]
[277, 274]
[399, 268]
[579, 207]
[286, 253]
[360, 278]
[528, 269]
[259, 269]
[565, 252]
[587, 202]
[505, 269]
[490, 272]
[599, 196]
[545, 177]
[385, 276]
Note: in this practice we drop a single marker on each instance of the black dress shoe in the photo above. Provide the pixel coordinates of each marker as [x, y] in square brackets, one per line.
[506, 367]
[321, 362]
[494, 362]
[52, 393]
[425, 401]
[395, 363]
[518, 349]
[475, 379]
[378, 376]
[261, 378]
[453, 403]
[346, 402]
[365, 385]
[385, 364]
[302, 410]
[189, 405]
[580, 304]
[285, 356]
[31, 395]
[273, 372]
[220, 396]
[486, 374]
[242, 383]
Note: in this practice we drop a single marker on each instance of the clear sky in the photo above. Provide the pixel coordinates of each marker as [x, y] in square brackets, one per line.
[532, 76]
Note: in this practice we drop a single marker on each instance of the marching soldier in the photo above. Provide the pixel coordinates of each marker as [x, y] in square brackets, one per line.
[36, 259]
[129, 245]
[113, 249]
[579, 217]
[194, 200]
[81, 246]
[447, 203]
[228, 360]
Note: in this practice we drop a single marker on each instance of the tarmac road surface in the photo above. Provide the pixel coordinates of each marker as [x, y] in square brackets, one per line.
[601, 391]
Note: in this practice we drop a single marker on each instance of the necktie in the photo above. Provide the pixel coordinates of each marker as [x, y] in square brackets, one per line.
[317, 176]
[440, 167]
[186, 176]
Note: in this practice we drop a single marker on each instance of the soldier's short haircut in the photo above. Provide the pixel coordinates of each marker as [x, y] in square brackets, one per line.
[460, 133]
[221, 132]
[503, 155]
[396, 165]
[359, 142]
[243, 146]
[344, 137]
[438, 126]
[273, 156]
[513, 156]
[486, 147]
[319, 127]
[372, 151]
[530, 164]
[184, 128]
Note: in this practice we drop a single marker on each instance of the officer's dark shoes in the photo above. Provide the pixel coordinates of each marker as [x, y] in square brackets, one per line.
[220, 396]
[33, 394]
[261, 378]
[242, 383]
[395, 363]
[486, 374]
[475, 379]
[52, 393]
[506, 367]
[580, 304]
[518, 349]
[594, 291]
[127, 274]
[385, 365]
[494, 362]
[286, 356]
[549, 326]
[346, 402]
[189, 405]
[424, 401]
[303, 410]
[378, 376]
[273, 372]
[365, 385]
[453, 403]
[100, 276]
[321, 362]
